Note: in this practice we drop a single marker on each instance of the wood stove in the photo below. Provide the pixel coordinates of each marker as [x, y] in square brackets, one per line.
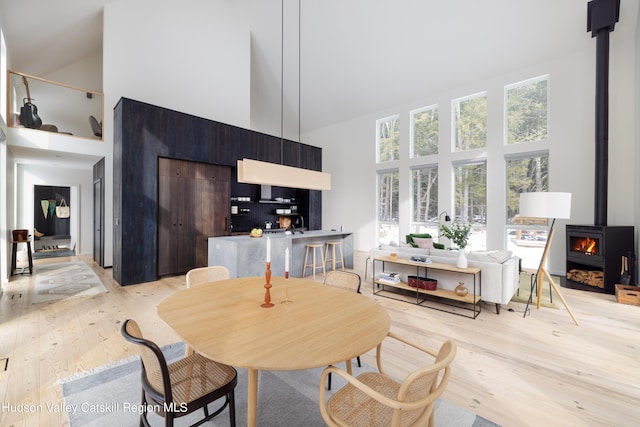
[595, 252]
[594, 255]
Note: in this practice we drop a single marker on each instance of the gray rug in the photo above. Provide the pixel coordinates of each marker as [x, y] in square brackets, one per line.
[110, 395]
[63, 280]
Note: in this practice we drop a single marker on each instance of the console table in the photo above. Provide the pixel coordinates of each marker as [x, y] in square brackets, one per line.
[469, 302]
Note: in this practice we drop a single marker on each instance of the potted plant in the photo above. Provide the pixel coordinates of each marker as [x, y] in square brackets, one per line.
[458, 233]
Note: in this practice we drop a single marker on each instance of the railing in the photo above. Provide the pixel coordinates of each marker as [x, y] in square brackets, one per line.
[45, 105]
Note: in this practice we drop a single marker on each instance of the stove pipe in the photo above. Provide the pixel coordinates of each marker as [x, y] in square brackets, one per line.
[601, 18]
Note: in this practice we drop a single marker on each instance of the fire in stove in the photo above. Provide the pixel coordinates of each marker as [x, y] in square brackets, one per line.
[585, 245]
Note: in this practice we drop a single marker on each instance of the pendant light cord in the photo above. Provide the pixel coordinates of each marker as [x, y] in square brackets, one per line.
[281, 81]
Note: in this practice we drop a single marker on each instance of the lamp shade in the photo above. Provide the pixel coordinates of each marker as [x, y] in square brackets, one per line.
[545, 205]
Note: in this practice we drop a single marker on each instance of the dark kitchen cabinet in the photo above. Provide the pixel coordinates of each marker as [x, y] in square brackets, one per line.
[193, 205]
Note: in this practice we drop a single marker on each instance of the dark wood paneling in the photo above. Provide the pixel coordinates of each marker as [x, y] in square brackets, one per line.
[142, 134]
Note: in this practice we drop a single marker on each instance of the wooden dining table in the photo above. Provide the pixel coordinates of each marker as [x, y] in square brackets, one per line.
[320, 326]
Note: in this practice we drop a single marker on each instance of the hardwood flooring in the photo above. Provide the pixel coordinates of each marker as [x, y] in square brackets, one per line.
[515, 371]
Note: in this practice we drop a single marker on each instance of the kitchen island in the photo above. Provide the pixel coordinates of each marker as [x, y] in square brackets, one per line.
[245, 256]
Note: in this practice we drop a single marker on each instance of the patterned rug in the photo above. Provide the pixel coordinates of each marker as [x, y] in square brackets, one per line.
[64, 280]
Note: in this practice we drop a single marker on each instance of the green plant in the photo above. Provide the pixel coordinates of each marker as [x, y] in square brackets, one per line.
[458, 233]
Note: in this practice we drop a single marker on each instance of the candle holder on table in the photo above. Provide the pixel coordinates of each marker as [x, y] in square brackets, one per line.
[267, 286]
[286, 288]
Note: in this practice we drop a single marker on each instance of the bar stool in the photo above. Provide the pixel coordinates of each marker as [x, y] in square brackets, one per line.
[20, 236]
[314, 265]
[333, 244]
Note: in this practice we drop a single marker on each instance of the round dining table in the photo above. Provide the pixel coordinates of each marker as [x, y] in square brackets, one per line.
[319, 325]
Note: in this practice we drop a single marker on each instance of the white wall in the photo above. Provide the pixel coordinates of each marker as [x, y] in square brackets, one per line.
[189, 56]
[349, 150]
[81, 207]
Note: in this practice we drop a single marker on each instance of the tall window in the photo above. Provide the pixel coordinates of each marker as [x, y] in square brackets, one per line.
[388, 201]
[425, 200]
[527, 111]
[388, 139]
[424, 131]
[526, 236]
[470, 122]
[471, 200]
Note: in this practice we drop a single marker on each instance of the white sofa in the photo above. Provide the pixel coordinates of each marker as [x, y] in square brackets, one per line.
[500, 270]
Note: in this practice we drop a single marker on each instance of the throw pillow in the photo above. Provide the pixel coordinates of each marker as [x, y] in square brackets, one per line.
[423, 243]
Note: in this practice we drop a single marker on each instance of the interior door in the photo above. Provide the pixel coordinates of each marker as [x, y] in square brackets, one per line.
[98, 241]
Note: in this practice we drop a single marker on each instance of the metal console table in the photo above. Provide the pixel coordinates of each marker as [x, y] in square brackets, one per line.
[469, 302]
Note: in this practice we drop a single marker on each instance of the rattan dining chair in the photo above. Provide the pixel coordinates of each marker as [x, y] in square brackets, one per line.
[200, 276]
[374, 398]
[180, 388]
[348, 281]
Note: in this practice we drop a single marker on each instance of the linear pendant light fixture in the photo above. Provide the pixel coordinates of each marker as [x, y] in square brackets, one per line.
[257, 172]
[265, 173]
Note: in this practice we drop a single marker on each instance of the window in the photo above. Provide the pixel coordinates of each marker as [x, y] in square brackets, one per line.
[388, 139]
[527, 111]
[471, 200]
[424, 132]
[388, 200]
[526, 236]
[470, 122]
[425, 200]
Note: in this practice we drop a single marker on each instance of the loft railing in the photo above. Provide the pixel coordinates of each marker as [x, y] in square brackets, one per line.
[60, 108]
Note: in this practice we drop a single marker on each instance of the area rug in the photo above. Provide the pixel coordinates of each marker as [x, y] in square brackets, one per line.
[522, 295]
[110, 395]
[63, 280]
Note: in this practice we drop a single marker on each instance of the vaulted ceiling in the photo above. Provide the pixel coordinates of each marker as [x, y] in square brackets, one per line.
[358, 56]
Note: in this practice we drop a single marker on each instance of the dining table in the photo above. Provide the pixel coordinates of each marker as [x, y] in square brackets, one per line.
[309, 325]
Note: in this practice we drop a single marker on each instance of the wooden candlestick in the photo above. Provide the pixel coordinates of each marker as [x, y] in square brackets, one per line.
[267, 286]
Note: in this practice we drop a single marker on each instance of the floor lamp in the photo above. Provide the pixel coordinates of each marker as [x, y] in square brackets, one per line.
[553, 206]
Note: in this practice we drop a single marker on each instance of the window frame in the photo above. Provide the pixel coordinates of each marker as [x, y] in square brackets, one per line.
[412, 132]
[505, 108]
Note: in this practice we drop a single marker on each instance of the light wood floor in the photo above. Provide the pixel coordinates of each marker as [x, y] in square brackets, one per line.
[538, 370]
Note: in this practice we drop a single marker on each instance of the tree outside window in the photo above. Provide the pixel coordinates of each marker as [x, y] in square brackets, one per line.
[471, 200]
[388, 203]
[424, 132]
[388, 139]
[470, 123]
[527, 111]
[424, 181]
[526, 236]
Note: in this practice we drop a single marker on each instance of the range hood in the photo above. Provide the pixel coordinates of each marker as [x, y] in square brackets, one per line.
[265, 173]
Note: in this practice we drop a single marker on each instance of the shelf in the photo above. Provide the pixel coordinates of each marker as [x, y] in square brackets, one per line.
[469, 302]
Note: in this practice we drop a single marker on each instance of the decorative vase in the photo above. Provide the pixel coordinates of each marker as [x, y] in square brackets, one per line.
[461, 290]
[462, 259]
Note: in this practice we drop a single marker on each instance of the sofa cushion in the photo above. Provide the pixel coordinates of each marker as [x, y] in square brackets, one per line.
[499, 256]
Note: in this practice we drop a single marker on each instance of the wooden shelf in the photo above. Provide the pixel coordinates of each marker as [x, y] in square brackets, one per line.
[470, 302]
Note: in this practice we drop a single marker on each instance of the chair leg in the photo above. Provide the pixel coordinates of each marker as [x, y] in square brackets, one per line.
[232, 408]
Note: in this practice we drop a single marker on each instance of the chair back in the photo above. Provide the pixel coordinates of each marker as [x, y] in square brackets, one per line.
[155, 373]
[425, 385]
[344, 280]
[202, 275]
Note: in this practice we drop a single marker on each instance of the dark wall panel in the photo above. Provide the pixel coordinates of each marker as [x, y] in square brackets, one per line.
[144, 132]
